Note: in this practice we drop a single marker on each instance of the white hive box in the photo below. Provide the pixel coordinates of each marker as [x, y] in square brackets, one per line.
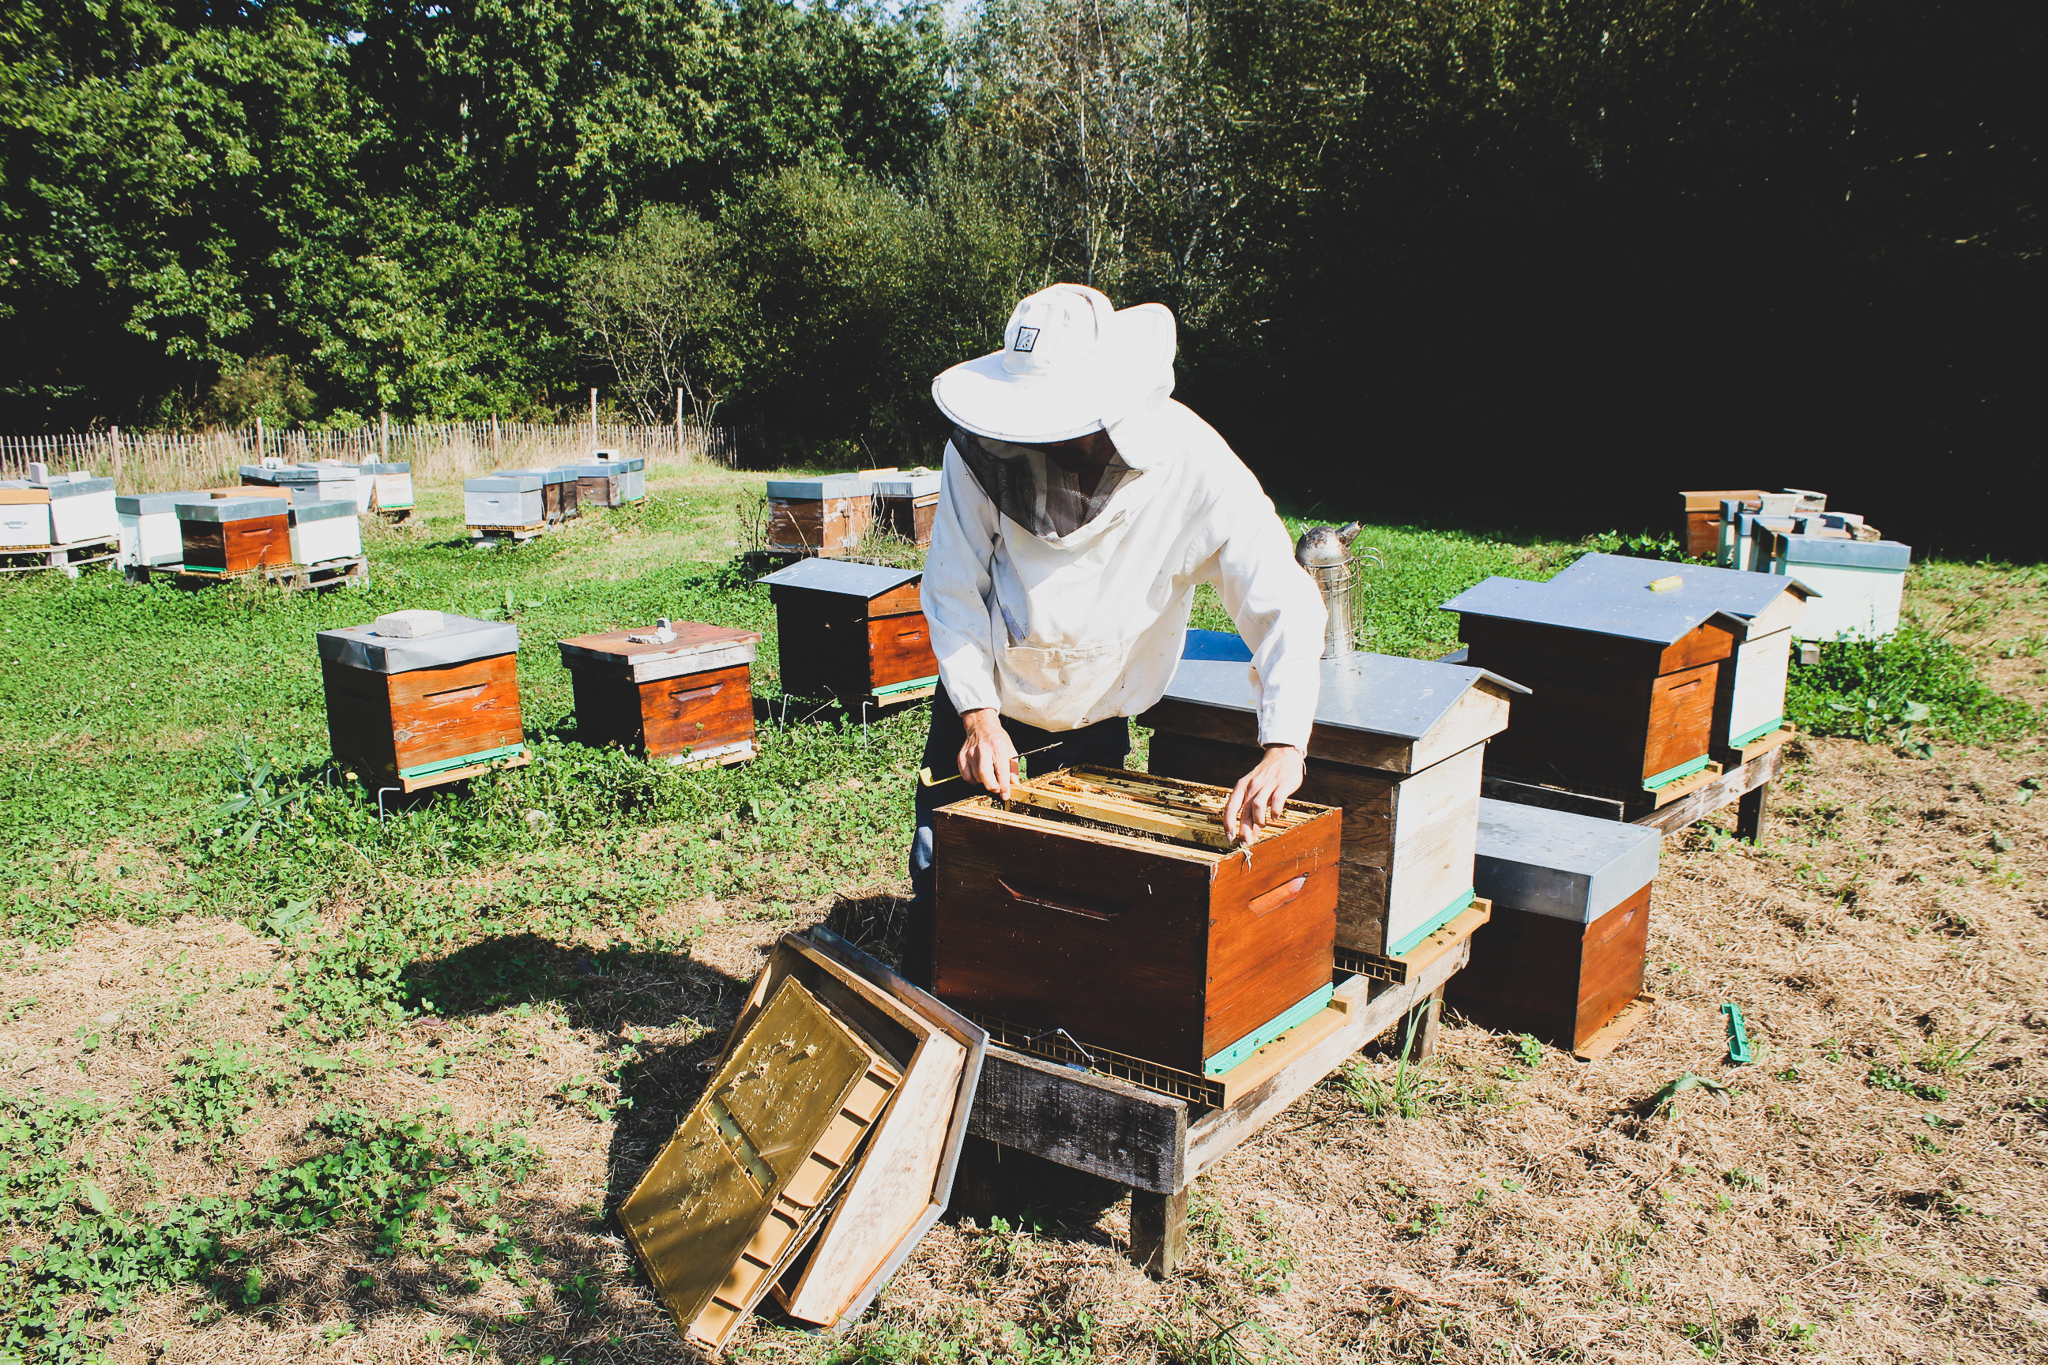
[1859, 582]
[323, 531]
[1750, 704]
[317, 483]
[24, 513]
[514, 500]
[149, 526]
[393, 485]
[634, 486]
[82, 508]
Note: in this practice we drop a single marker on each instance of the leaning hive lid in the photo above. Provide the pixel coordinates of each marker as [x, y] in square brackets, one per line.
[1735, 591]
[258, 474]
[461, 639]
[1380, 694]
[231, 509]
[598, 469]
[842, 576]
[1551, 862]
[1661, 618]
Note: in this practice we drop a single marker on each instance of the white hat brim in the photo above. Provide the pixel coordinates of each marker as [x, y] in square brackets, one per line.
[988, 400]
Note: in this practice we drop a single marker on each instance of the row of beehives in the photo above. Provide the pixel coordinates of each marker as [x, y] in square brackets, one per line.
[1857, 574]
[834, 514]
[420, 698]
[534, 499]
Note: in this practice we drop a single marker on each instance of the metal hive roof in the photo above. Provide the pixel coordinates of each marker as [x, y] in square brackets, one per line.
[1736, 591]
[1380, 694]
[849, 577]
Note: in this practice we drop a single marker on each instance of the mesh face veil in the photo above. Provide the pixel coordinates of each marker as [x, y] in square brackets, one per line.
[1031, 489]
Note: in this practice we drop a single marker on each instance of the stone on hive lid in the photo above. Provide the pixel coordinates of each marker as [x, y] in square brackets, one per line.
[410, 625]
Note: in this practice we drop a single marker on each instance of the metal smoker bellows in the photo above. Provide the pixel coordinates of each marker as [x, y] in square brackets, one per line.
[1325, 551]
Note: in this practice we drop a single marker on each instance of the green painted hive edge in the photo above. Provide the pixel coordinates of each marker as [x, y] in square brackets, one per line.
[1769, 727]
[442, 766]
[1435, 922]
[1307, 1006]
[1670, 775]
[893, 688]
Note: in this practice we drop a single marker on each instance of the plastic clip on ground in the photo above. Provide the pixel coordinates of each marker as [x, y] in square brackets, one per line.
[1738, 1036]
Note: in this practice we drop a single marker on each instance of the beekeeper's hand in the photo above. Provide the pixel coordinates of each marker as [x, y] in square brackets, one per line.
[1261, 794]
[988, 759]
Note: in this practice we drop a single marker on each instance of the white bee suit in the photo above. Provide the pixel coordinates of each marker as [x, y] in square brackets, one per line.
[1062, 631]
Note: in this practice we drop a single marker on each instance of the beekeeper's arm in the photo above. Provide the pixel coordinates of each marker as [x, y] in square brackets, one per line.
[958, 581]
[1279, 612]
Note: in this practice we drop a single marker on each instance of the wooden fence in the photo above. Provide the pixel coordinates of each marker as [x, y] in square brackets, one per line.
[165, 462]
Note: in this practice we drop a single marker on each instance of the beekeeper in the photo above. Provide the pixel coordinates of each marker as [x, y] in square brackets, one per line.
[1080, 508]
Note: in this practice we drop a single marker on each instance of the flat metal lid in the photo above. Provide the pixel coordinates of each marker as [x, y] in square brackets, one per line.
[76, 488]
[912, 485]
[1656, 617]
[1380, 694]
[261, 475]
[231, 509]
[1852, 554]
[389, 467]
[315, 473]
[842, 576]
[509, 483]
[559, 474]
[149, 504]
[635, 462]
[323, 509]
[1738, 592]
[1553, 862]
[598, 470]
[826, 486]
[463, 638]
[692, 637]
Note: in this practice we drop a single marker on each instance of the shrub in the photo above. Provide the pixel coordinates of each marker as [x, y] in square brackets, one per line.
[1883, 690]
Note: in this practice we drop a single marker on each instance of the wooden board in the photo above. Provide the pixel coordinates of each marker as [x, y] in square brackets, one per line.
[1720, 790]
[1735, 758]
[1675, 791]
[1681, 718]
[899, 650]
[1480, 714]
[1616, 1031]
[387, 722]
[824, 526]
[237, 546]
[665, 717]
[911, 518]
[1166, 950]
[833, 646]
[1555, 978]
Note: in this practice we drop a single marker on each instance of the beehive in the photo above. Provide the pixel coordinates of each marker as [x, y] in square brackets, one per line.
[600, 483]
[512, 501]
[907, 503]
[726, 1201]
[1563, 954]
[634, 486]
[392, 484]
[148, 526]
[413, 710]
[318, 482]
[852, 631]
[1622, 688]
[688, 699]
[1749, 702]
[1398, 744]
[1858, 585]
[1112, 905]
[1701, 530]
[24, 513]
[235, 535]
[828, 516]
[557, 489]
[82, 508]
[323, 531]
[571, 485]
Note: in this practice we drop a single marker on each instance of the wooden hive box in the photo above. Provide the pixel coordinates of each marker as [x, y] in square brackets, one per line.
[323, 531]
[907, 503]
[235, 535]
[392, 490]
[1749, 700]
[1563, 954]
[855, 632]
[1398, 744]
[1111, 905]
[82, 508]
[1700, 532]
[600, 483]
[148, 526]
[515, 500]
[830, 515]
[1622, 689]
[570, 486]
[557, 489]
[24, 513]
[685, 700]
[772, 1141]
[417, 711]
[1859, 585]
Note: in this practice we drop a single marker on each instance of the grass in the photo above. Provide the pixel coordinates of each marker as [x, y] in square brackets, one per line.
[341, 1045]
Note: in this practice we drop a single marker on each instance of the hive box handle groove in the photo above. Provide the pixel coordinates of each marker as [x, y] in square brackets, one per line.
[1278, 896]
[457, 693]
[1072, 905]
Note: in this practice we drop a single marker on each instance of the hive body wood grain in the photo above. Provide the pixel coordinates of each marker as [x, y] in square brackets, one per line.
[840, 645]
[387, 722]
[1555, 978]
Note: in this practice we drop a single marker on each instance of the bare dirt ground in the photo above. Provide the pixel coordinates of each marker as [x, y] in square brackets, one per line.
[1874, 1188]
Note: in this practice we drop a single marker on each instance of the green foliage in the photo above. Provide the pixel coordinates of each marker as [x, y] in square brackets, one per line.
[1642, 545]
[1883, 691]
[35, 1179]
[381, 1175]
[211, 1094]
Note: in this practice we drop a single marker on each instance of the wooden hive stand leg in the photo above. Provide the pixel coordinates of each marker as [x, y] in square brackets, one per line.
[1159, 1231]
[1428, 1025]
[1749, 813]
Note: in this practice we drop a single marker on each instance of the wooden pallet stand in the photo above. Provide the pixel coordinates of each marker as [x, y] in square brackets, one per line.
[1748, 784]
[422, 699]
[350, 572]
[687, 700]
[70, 559]
[1397, 743]
[1159, 1144]
[852, 631]
[1111, 908]
[512, 533]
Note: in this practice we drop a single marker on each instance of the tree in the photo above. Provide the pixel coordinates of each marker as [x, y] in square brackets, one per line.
[658, 307]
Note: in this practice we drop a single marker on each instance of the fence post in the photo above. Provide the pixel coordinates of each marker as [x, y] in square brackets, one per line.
[384, 437]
